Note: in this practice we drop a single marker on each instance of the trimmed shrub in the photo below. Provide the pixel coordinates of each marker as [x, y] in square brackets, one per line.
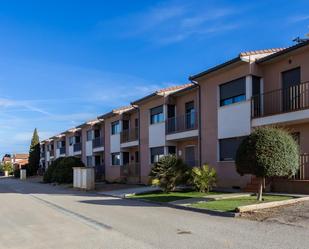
[8, 166]
[169, 172]
[268, 152]
[61, 170]
[203, 178]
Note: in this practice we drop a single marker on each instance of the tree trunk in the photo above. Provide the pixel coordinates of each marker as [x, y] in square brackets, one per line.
[260, 190]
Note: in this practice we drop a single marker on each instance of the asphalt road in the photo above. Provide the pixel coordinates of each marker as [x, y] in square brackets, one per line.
[42, 216]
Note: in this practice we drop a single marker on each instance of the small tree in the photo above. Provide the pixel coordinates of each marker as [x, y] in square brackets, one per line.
[268, 152]
[34, 154]
[8, 166]
[169, 172]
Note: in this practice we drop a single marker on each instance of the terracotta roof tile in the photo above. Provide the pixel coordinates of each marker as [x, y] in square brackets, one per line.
[263, 51]
[173, 88]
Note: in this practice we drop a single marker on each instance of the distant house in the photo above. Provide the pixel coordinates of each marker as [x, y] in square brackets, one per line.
[17, 160]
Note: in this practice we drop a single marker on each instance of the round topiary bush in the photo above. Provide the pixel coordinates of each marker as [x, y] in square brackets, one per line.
[268, 152]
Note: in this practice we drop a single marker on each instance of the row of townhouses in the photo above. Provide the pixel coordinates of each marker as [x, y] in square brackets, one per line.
[201, 122]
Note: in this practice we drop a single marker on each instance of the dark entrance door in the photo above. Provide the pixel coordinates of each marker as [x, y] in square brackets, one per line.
[291, 90]
[99, 167]
[125, 158]
[190, 156]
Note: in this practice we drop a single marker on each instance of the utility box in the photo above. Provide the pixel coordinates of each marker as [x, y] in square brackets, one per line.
[23, 174]
[83, 178]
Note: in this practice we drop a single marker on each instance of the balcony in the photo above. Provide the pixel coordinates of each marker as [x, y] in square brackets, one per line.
[97, 142]
[129, 135]
[182, 123]
[181, 127]
[43, 154]
[51, 153]
[62, 150]
[285, 100]
[77, 147]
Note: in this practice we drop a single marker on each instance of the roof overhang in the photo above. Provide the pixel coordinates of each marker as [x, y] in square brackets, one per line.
[284, 52]
[233, 62]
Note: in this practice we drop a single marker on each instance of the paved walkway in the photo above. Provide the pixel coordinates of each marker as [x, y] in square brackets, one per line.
[129, 191]
[39, 216]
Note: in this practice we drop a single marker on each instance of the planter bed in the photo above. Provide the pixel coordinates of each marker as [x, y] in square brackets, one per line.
[231, 205]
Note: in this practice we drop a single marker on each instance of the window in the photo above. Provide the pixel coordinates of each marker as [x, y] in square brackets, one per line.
[115, 158]
[89, 161]
[71, 140]
[172, 150]
[59, 144]
[156, 153]
[77, 139]
[156, 115]
[190, 115]
[115, 127]
[97, 133]
[228, 148]
[89, 135]
[233, 91]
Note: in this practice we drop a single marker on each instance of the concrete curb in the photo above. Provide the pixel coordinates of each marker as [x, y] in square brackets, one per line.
[273, 204]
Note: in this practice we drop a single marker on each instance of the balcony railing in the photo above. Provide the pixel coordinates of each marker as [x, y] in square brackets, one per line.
[97, 142]
[131, 170]
[129, 135]
[62, 150]
[303, 172]
[182, 123]
[283, 100]
[77, 147]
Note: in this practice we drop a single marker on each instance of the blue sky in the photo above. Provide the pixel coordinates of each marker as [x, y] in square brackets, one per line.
[64, 62]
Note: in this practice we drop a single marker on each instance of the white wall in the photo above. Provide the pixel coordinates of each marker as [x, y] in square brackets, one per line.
[71, 150]
[88, 148]
[57, 153]
[234, 120]
[157, 135]
[115, 143]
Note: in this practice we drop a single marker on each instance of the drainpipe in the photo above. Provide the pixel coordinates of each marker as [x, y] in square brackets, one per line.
[199, 122]
[139, 142]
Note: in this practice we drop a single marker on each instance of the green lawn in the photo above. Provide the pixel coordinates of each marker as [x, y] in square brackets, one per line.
[229, 205]
[172, 196]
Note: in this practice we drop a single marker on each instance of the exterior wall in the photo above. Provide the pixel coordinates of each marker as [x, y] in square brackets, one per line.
[112, 173]
[227, 175]
[272, 71]
[144, 136]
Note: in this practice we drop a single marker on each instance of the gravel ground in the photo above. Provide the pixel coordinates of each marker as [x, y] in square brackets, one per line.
[293, 215]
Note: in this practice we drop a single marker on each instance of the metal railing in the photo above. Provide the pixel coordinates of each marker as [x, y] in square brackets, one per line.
[303, 172]
[129, 135]
[62, 150]
[97, 142]
[77, 147]
[131, 170]
[182, 123]
[283, 100]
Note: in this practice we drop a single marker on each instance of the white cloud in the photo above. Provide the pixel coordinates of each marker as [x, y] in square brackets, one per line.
[299, 18]
[176, 21]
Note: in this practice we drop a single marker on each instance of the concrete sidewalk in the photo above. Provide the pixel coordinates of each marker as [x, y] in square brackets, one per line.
[122, 193]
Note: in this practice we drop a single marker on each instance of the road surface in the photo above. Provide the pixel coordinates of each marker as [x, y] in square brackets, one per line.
[41, 216]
